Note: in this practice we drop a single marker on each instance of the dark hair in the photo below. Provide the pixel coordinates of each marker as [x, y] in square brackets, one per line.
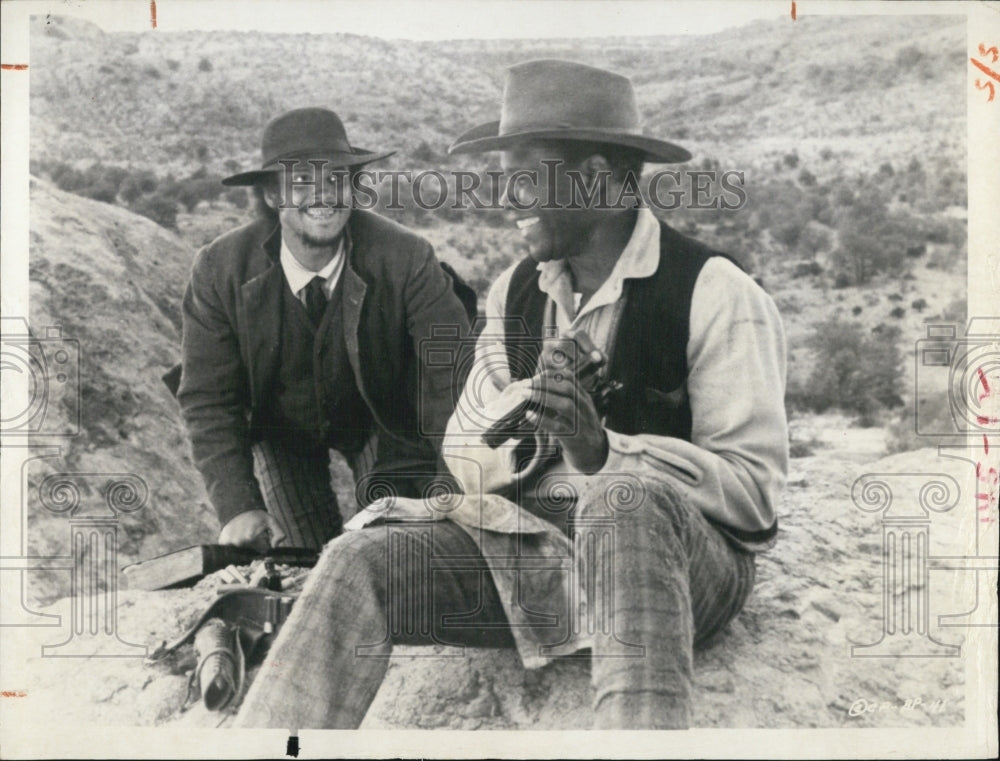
[261, 209]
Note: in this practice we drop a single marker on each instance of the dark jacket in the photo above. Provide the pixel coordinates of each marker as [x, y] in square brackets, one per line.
[396, 295]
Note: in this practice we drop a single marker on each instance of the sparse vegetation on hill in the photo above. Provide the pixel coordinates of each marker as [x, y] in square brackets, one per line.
[857, 371]
[140, 190]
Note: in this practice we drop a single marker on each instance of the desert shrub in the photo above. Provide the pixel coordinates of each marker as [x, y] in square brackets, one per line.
[791, 160]
[873, 240]
[152, 72]
[424, 152]
[856, 311]
[204, 65]
[935, 415]
[159, 208]
[855, 371]
[798, 448]
[238, 197]
[843, 196]
[191, 192]
[173, 65]
[98, 181]
[898, 313]
[919, 304]
[815, 238]
[858, 258]
[137, 183]
[807, 178]
[103, 189]
[826, 154]
[787, 233]
[807, 269]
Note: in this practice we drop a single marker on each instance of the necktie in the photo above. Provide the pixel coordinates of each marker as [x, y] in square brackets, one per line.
[315, 299]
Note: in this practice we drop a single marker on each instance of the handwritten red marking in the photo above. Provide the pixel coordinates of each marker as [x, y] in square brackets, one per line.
[986, 444]
[793, 10]
[152, 12]
[985, 51]
[982, 379]
[985, 69]
[14, 694]
[14, 66]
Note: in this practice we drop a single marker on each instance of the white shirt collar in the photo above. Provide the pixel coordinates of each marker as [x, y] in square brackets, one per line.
[298, 277]
[639, 259]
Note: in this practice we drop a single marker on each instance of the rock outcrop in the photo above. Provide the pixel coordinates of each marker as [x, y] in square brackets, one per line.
[112, 282]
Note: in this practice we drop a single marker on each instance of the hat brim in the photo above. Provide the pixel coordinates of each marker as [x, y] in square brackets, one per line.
[486, 137]
[358, 157]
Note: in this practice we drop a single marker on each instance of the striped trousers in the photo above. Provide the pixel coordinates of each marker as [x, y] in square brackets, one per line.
[677, 581]
[295, 483]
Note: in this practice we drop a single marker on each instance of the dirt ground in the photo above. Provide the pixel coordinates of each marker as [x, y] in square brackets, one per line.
[785, 662]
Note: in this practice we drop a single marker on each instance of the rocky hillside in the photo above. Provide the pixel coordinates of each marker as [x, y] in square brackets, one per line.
[113, 282]
[867, 88]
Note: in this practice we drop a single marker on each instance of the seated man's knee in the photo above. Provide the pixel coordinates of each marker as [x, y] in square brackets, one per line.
[353, 557]
[625, 498]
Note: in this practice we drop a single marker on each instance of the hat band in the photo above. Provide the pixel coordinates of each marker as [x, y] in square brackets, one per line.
[307, 154]
[521, 127]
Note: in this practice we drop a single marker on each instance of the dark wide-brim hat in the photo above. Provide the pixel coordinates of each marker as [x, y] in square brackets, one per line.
[303, 134]
[564, 100]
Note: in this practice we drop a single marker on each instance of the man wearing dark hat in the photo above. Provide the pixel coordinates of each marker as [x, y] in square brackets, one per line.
[618, 509]
[301, 334]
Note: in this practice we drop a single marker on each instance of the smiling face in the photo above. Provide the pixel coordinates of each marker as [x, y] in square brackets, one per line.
[539, 190]
[313, 212]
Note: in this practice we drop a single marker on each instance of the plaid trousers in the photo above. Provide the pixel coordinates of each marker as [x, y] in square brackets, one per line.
[677, 582]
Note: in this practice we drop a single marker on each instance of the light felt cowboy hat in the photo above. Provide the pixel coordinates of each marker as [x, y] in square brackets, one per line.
[305, 133]
[564, 100]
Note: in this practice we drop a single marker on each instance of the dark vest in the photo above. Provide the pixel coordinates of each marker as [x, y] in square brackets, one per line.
[314, 398]
[649, 355]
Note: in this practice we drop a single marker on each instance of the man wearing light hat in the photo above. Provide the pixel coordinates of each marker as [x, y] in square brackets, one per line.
[620, 515]
[302, 333]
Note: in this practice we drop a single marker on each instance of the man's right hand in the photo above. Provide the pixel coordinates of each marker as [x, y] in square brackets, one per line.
[254, 528]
